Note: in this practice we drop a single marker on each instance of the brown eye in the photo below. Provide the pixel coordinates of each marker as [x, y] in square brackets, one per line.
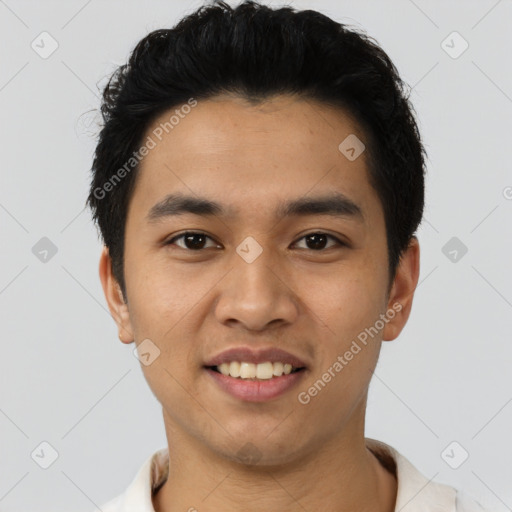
[191, 241]
[318, 241]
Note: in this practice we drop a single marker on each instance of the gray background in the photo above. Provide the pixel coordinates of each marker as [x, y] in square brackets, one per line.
[67, 380]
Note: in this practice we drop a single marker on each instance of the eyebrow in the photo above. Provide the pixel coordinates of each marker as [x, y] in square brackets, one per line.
[335, 205]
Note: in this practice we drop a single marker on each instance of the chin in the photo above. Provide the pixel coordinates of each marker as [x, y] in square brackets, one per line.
[260, 452]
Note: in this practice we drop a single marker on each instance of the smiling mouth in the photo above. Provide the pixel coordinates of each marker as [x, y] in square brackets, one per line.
[252, 371]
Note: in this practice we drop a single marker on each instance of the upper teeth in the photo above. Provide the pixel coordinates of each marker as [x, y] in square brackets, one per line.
[250, 370]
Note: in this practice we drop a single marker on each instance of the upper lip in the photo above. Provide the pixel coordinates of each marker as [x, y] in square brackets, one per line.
[250, 355]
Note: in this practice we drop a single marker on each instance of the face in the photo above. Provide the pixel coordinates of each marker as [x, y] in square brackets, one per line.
[310, 279]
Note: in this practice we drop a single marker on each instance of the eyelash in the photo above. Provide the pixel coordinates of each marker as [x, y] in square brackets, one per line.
[177, 237]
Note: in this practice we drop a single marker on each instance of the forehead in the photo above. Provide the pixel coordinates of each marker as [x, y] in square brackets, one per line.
[248, 156]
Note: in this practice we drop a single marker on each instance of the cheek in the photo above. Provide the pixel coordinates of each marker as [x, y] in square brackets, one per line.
[159, 296]
[347, 353]
[164, 304]
[346, 304]
[160, 305]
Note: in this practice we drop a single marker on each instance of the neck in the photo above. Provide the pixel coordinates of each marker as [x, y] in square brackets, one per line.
[342, 474]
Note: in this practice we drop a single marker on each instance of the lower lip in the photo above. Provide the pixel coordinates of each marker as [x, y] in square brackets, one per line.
[256, 390]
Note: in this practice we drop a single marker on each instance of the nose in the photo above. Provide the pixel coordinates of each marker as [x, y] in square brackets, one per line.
[255, 295]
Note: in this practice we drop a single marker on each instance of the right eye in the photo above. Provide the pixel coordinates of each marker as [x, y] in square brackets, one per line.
[194, 241]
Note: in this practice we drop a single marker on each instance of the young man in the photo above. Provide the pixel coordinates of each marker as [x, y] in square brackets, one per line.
[258, 183]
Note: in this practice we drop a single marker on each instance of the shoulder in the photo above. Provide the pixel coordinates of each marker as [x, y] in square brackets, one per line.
[138, 496]
[113, 505]
[417, 492]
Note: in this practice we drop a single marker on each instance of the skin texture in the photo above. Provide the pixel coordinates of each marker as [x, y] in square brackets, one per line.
[310, 302]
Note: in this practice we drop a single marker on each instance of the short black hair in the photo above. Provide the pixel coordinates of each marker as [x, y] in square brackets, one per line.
[255, 52]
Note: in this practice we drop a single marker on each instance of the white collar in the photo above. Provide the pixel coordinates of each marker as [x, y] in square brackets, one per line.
[415, 493]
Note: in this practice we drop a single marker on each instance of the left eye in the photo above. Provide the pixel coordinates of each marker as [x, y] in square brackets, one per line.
[318, 240]
[196, 241]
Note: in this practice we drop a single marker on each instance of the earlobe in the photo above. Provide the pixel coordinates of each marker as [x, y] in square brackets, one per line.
[114, 297]
[402, 292]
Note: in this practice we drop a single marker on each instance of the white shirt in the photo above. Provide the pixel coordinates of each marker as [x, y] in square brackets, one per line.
[414, 493]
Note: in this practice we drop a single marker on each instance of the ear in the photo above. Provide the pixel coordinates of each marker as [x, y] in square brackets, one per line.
[402, 291]
[118, 308]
